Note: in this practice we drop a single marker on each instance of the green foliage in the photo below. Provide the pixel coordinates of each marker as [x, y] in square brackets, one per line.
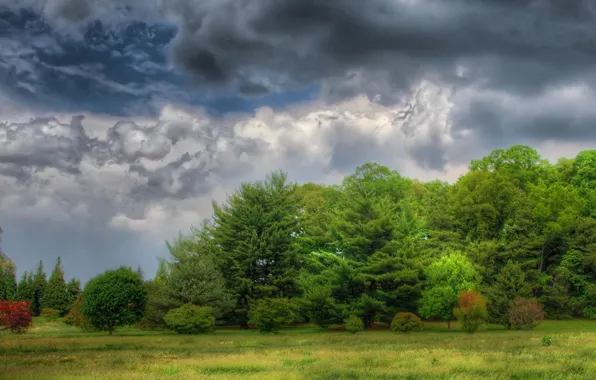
[75, 316]
[39, 288]
[406, 323]
[25, 288]
[256, 232]
[353, 324]
[50, 314]
[8, 283]
[55, 296]
[471, 311]
[114, 298]
[73, 290]
[269, 314]
[318, 305]
[547, 341]
[525, 314]
[509, 283]
[447, 277]
[190, 319]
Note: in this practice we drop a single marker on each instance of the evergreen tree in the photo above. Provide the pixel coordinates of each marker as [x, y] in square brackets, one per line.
[39, 287]
[55, 296]
[25, 291]
[509, 283]
[8, 283]
[257, 231]
[73, 289]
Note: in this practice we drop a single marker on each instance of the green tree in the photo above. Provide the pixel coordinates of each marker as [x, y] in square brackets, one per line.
[256, 231]
[55, 296]
[8, 283]
[509, 283]
[114, 298]
[25, 289]
[447, 278]
[39, 288]
[195, 276]
[73, 289]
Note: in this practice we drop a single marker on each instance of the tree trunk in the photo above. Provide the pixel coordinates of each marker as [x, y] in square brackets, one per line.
[110, 331]
[449, 324]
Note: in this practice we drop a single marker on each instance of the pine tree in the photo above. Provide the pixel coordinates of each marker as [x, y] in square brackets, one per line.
[39, 287]
[256, 231]
[55, 296]
[25, 287]
[73, 289]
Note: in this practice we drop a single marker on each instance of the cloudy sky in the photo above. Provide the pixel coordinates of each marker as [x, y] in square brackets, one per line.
[120, 120]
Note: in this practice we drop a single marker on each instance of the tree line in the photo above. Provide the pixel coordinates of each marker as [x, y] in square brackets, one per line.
[379, 244]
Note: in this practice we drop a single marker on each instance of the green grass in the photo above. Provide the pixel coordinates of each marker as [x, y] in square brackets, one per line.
[56, 351]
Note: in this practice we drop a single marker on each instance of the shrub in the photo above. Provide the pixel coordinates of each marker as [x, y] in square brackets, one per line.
[471, 311]
[590, 312]
[15, 316]
[75, 316]
[50, 314]
[525, 314]
[547, 341]
[114, 298]
[190, 319]
[269, 314]
[353, 324]
[406, 322]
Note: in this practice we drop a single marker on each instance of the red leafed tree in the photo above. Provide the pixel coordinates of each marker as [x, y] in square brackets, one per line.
[15, 316]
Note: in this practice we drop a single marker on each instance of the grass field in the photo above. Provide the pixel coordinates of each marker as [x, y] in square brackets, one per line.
[56, 351]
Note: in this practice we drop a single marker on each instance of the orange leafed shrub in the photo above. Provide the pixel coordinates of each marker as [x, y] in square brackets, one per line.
[471, 311]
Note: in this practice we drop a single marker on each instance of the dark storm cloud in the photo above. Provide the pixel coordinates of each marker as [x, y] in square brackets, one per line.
[522, 44]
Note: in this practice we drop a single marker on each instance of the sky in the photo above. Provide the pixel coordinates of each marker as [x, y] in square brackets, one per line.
[122, 120]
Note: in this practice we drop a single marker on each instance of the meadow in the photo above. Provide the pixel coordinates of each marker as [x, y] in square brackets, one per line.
[51, 350]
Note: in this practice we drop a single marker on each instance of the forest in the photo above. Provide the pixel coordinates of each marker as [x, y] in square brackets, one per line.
[515, 225]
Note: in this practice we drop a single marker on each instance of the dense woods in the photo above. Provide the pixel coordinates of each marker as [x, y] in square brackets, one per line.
[515, 230]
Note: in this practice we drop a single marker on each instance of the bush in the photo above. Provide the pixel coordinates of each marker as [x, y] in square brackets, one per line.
[525, 314]
[353, 324]
[590, 312]
[50, 314]
[471, 311]
[15, 316]
[406, 323]
[268, 315]
[190, 319]
[75, 316]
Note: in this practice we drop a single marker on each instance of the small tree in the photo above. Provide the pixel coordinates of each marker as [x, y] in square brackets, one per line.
[39, 283]
[15, 316]
[50, 314]
[75, 316]
[447, 278]
[190, 319]
[114, 298]
[353, 324]
[406, 323]
[525, 314]
[509, 283]
[471, 311]
[319, 306]
[271, 313]
[55, 296]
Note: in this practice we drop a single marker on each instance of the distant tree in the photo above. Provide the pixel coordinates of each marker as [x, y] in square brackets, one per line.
[73, 289]
[8, 283]
[76, 317]
[25, 289]
[39, 288]
[447, 277]
[114, 298]
[190, 319]
[55, 296]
